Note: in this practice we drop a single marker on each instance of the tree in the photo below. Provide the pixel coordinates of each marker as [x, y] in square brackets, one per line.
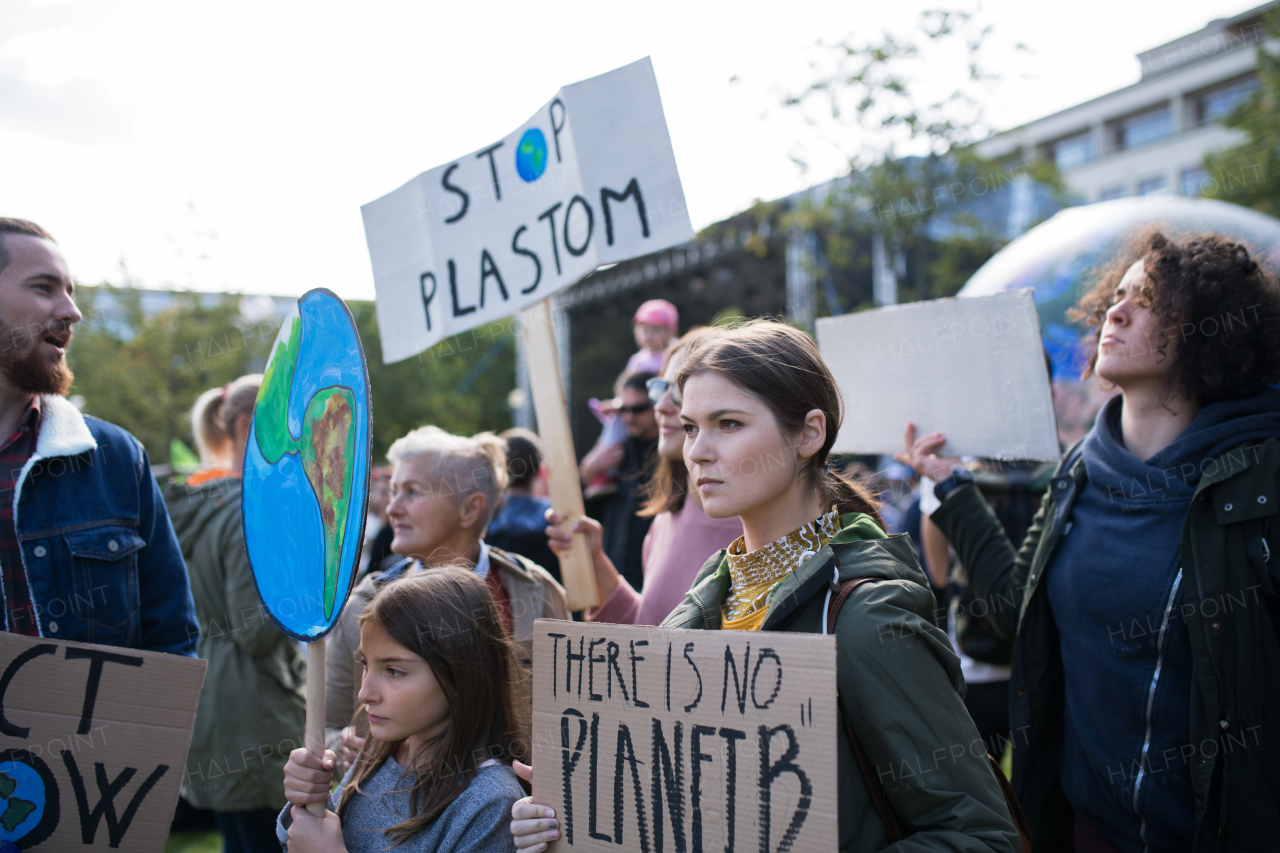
[143, 370]
[917, 181]
[1249, 173]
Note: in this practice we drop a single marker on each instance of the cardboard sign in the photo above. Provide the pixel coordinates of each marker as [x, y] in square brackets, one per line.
[589, 179]
[657, 739]
[970, 368]
[93, 743]
[306, 468]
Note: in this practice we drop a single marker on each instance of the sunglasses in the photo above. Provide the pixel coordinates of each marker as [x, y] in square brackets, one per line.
[637, 409]
[658, 387]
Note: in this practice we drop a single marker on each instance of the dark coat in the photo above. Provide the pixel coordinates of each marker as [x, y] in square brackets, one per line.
[1231, 614]
[901, 683]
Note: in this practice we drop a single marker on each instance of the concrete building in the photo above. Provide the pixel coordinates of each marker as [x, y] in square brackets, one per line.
[1151, 137]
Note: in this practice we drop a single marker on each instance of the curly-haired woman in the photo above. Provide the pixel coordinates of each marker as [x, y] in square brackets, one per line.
[1144, 697]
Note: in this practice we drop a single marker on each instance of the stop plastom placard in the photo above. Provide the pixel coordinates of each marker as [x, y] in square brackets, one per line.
[648, 739]
[589, 179]
[93, 743]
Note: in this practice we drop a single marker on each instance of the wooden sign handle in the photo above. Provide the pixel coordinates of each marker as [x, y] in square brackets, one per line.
[576, 573]
[315, 708]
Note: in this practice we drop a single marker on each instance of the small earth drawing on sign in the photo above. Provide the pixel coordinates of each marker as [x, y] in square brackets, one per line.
[306, 467]
[22, 799]
[531, 155]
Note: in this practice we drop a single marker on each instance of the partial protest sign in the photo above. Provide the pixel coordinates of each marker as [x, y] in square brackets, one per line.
[306, 481]
[589, 179]
[306, 467]
[973, 369]
[93, 743]
[651, 739]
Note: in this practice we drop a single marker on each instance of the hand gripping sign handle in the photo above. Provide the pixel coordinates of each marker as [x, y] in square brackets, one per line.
[557, 444]
[315, 708]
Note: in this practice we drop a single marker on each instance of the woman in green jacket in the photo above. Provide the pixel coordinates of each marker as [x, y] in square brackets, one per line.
[252, 709]
[761, 410]
[1142, 604]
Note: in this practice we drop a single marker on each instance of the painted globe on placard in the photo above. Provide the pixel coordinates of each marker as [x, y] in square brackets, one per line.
[1063, 257]
[306, 467]
[531, 155]
[24, 795]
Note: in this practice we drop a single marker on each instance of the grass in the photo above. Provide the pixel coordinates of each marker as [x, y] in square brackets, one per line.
[194, 842]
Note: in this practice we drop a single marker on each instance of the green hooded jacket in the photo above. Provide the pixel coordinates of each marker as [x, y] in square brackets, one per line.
[901, 683]
[1231, 612]
[252, 709]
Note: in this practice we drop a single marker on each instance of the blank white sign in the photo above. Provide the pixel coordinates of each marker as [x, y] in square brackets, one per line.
[971, 368]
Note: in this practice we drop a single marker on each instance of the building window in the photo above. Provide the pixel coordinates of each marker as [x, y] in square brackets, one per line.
[1145, 127]
[1218, 104]
[1113, 192]
[1152, 186]
[1073, 151]
[1194, 181]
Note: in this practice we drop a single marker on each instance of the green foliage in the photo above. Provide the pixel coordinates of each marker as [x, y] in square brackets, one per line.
[1249, 174]
[144, 370]
[911, 157]
[460, 384]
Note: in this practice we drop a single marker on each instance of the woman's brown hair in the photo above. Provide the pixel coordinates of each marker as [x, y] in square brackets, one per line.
[447, 617]
[667, 488]
[782, 366]
[1218, 313]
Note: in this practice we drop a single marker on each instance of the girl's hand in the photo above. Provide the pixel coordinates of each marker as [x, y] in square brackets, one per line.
[531, 824]
[311, 834]
[921, 454]
[308, 777]
[559, 539]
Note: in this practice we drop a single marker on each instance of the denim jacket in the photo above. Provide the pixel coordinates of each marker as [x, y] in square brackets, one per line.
[97, 545]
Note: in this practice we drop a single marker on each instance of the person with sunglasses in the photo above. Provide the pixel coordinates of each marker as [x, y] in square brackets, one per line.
[624, 528]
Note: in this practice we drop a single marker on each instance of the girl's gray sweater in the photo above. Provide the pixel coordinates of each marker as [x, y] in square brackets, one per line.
[478, 820]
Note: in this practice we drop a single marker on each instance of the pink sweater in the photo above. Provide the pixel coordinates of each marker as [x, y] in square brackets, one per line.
[676, 547]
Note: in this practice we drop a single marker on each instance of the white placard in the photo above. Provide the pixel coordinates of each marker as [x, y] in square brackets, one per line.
[590, 179]
[970, 368]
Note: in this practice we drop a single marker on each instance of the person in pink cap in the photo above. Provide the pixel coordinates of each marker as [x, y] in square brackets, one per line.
[656, 324]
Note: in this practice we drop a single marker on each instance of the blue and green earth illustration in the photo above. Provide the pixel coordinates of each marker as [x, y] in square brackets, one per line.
[306, 467]
[531, 155]
[22, 800]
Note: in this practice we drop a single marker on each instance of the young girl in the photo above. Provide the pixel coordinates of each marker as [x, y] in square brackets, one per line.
[760, 411]
[432, 775]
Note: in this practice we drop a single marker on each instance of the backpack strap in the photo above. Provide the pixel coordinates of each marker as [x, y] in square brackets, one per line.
[879, 797]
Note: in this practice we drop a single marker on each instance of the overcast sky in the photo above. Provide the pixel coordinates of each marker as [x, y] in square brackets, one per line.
[229, 146]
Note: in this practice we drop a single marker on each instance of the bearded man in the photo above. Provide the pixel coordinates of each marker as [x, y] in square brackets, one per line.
[87, 551]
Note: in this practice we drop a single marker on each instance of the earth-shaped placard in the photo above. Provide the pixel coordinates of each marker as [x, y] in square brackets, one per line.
[306, 467]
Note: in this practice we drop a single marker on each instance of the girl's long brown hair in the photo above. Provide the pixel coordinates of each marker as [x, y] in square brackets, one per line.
[667, 488]
[447, 617]
[782, 366]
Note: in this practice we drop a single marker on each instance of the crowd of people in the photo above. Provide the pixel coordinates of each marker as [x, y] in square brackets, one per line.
[1111, 619]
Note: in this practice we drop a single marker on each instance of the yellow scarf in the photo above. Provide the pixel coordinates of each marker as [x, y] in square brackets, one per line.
[753, 575]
